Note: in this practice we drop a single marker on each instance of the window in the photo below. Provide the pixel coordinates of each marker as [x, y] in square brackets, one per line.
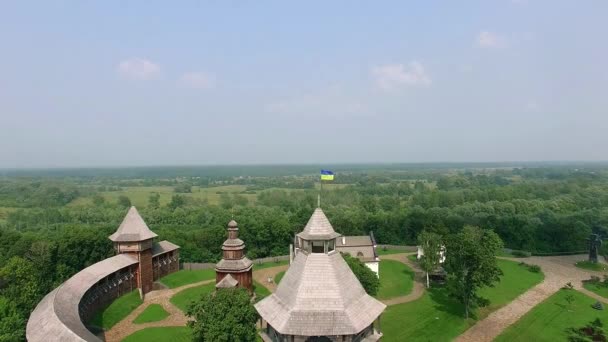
[331, 245]
[318, 247]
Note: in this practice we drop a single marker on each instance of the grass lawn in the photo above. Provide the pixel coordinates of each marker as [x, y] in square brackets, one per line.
[591, 266]
[381, 251]
[117, 310]
[185, 277]
[549, 320]
[413, 257]
[260, 290]
[270, 264]
[436, 317]
[162, 334]
[597, 288]
[153, 313]
[396, 279]
[278, 277]
[184, 297]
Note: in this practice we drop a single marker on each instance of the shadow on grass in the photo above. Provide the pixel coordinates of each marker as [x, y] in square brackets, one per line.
[444, 303]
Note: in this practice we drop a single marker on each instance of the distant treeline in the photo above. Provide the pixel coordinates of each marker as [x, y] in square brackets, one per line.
[45, 238]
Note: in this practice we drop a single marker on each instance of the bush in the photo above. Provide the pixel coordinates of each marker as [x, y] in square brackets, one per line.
[531, 268]
[366, 277]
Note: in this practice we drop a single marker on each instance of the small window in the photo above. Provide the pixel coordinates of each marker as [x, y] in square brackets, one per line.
[359, 254]
[318, 247]
[331, 245]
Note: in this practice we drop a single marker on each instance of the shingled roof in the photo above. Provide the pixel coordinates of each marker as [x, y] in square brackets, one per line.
[57, 318]
[318, 227]
[227, 282]
[132, 229]
[319, 296]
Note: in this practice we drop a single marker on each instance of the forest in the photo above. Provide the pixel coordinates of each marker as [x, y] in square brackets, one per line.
[53, 223]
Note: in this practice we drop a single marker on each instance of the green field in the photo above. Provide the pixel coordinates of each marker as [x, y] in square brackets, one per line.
[396, 279]
[278, 277]
[270, 264]
[260, 290]
[381, 251]
[436, 317]
[548, 320]
[162, 334]
[587, 265]
[153, 313]
[596, 288]
[183, 298]
[139, 194]
[185, 277]
[117, 310]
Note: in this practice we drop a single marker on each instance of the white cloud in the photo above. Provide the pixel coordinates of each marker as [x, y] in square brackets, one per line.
[489, 39]
[197, 80]
[138, 69]
[391, 76]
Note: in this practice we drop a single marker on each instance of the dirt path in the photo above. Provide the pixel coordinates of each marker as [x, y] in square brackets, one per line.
[262, 276]
[419, 279]
[176, 317]
[558, 271]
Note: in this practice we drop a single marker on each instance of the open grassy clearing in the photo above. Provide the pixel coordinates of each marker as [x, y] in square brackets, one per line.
[139, 194]
[185, 277]
[549, 320]
[117, 310]
[183, 298]
[396, 279]
[161, 334]
[382, 251]
[436, 317]
[153, 313]
[587, 265]
[597, 288]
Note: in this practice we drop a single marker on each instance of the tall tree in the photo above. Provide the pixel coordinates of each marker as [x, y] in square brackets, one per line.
[226, 315]
[154, 200]
[471, 265]
[431, 244]
[124, 201]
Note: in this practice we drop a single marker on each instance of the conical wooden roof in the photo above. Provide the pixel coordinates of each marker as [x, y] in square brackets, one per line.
[318, 227]
[132, 229]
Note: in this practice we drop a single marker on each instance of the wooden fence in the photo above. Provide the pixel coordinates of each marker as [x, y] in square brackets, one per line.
[206, 265]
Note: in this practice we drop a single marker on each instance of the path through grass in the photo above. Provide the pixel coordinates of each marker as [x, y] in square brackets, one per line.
[436, 317]
[185, 277]
[183, 298]
[153, 313]
[162, 334]
[396, 279]
[117, 310]
[549, 320]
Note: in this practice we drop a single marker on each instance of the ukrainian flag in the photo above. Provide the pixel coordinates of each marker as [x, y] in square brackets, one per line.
[327, 175]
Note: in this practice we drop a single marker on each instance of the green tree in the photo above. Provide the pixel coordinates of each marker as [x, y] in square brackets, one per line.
[177, 201]
[366, 277]
[471, 265]
[98, 200]
[226, 315]
[12, 324]
[124, 201]
[431, 244]
[154, 200]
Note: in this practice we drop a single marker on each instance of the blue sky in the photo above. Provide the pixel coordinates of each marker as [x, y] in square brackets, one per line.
[225, 82]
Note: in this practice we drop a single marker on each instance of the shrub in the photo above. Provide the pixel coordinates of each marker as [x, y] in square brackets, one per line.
[520, 254]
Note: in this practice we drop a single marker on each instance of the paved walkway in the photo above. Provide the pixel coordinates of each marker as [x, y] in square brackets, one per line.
[176, 317]
[558, 272]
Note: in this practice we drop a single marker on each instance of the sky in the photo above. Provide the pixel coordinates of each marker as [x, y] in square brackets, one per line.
[136, 83]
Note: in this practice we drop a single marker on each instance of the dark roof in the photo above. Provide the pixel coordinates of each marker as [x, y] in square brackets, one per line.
[163, 247]
[132, 229]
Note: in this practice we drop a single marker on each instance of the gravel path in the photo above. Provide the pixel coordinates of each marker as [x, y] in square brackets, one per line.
[176, 317]
[558, 271]
[419, 279]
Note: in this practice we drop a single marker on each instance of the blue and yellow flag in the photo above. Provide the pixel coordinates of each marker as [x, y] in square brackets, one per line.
[327, 175]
